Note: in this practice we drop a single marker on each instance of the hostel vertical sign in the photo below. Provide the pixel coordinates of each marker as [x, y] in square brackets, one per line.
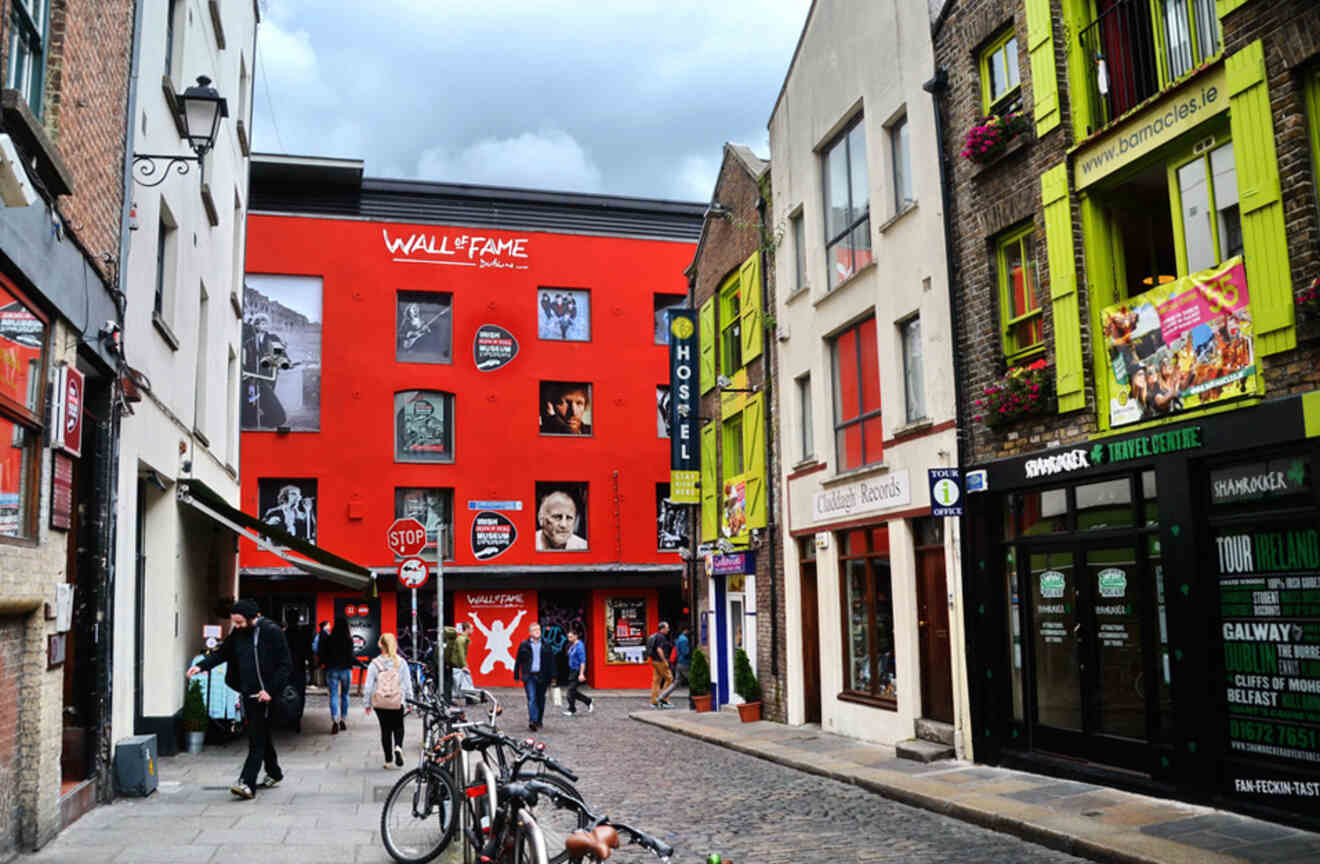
[684, 467]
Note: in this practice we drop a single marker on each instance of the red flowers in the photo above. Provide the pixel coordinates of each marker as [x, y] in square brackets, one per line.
[1309, 299]
[1022, 391]
[988, 139]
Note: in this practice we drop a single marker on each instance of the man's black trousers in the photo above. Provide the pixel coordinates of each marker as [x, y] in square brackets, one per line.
[261, 747]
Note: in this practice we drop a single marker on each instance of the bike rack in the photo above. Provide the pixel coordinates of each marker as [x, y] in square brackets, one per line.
[534, 831]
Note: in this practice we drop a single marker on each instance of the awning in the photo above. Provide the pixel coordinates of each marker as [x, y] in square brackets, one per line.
[305, 556]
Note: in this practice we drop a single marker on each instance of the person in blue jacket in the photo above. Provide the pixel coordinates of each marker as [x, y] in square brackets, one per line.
[577, 674]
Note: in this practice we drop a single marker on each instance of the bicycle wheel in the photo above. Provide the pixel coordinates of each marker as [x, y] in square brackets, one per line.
[419, 816]
[557, 822]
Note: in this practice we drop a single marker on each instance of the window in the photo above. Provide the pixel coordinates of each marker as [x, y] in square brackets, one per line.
[22, 391]
[900, 152]
[670, 521]
[423, 426]
[914, 385]
[434, 508]
[868, 615]
[424, 327]
[847, 205]
[176, 21]
[1208, 204]
[733, 446]
[799, 252]
[858, 430]
[167, 257]
[236, 288]
[731, 326]
[289, 505]
[1001, 85]
[202, 373]
[662, 303]
[1019, 295]
[804, 417]
[27, 51]
[231, 408]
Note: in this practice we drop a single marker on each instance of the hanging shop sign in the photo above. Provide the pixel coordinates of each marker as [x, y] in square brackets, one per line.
[1181, 346]
[492, 535]
[976, 481]
[493, 348]
[1269, 599]
[684, 409]
[67, 411]
[945, 492]
[862, 496]
[724, 565]
[61, 492]
[733, 512]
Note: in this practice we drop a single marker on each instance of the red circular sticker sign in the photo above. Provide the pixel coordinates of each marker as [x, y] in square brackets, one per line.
[413, 573]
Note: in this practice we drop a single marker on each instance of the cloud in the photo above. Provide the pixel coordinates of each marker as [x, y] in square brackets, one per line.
[550, 159]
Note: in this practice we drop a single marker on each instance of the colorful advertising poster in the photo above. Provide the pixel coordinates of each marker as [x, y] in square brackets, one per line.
[289, 505]
[434, 508]
[424, 327]
[563, 315]
[281, 352]
[561, 517]
[684, 408]
[363, 617]
[423, 426]
[500, 621]
[492, 535]
[22, 337]
[1269, 603]
[733, 515]
[1184, 344]
[493, 348]
[625, 630]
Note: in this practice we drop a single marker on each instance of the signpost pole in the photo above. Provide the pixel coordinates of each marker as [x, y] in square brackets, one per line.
[416, 658]
[440, 608]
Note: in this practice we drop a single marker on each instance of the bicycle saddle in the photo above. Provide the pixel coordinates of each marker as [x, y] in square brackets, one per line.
[597, 843]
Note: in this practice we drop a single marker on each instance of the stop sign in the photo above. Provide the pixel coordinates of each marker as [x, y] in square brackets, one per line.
[406, 537]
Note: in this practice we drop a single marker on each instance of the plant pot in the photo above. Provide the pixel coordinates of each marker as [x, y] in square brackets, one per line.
[195, 741]
[749, 712]
[701, 703]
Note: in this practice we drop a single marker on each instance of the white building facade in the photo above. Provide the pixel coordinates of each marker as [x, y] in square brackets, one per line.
[866, 384]
[182, 276]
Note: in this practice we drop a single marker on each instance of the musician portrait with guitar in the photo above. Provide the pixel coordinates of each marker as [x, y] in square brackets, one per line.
[424, 334]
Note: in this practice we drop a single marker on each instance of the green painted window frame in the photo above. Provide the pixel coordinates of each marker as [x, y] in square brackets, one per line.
[990, 104]
[732, 433]
[1311, 89]
[29, 28]
[1012, 351]
[1222, 135]
[730, 351]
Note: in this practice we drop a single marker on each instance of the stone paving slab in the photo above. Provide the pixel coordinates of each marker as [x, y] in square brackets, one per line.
[1080, 818]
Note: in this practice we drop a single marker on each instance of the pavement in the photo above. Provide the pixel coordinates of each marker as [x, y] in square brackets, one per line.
[1081, 819]
[701, 797]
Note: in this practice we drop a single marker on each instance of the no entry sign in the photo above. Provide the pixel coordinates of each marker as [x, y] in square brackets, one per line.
[406, 537]
[413, 573]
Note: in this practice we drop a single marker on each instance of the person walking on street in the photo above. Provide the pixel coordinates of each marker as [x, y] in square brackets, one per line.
[318, 671]
[577, 674]
[457, 641]
[337, 659]
[259, 666]
[682, 656]
[388, 685]
[662, 679]
[534, 666]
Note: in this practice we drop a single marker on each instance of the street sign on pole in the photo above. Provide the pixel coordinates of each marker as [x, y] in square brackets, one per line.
[406, 537]
[413, 573]
[945, 492]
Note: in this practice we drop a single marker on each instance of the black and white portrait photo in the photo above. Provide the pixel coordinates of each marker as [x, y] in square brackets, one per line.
[423, 426]
[671, 530]
[424, 327]
[434, 509]
[281, 352]
[561, 517]
[563, 314]
[664, 302]
[662, 418]
[565, 408]
[289, 505]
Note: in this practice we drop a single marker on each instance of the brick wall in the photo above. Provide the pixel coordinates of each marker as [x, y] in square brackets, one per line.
[987, 200]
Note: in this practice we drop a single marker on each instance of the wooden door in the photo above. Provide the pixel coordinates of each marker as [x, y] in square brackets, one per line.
[810, 642]
[933, 632]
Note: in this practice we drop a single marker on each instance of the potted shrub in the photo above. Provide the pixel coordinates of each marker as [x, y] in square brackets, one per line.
[195, 716]
[747, 687]
[699, 681]
[1021, 392]
[992, 134]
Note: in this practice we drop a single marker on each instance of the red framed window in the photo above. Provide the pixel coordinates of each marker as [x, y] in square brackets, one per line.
[23, 337]
[858, 428]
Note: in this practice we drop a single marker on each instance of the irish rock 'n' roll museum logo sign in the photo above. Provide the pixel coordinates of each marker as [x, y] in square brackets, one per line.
[863, 496]
[458, 250]
[493, 347]
[684, 455]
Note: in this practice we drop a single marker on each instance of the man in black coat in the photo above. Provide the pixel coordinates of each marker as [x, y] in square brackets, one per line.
[534, 666]
[259, 666]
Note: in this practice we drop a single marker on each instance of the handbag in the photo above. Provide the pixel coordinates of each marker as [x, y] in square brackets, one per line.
[284, 705]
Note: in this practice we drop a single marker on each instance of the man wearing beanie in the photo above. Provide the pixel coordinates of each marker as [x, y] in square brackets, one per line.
[259, 666]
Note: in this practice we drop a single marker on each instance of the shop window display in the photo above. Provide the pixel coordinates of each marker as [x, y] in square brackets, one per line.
[869, 652]
[434, 508]
[22, 356]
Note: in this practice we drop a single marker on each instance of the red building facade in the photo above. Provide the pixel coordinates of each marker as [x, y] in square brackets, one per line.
[484, 360]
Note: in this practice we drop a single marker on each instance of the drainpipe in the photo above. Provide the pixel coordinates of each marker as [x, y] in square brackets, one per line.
[770, 477]
[936, 87]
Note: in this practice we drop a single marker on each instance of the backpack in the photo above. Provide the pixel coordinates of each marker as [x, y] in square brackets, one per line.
[389, 691]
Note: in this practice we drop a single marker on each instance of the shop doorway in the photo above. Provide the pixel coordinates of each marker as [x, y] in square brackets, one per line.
[933, 635]
[1091, 659]
[810, 639]
[737, 638]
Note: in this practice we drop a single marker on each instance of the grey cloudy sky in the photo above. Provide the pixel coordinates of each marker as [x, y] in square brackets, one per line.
[628, 97]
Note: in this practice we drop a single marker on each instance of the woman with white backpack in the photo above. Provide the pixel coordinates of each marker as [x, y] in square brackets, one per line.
[388, 685]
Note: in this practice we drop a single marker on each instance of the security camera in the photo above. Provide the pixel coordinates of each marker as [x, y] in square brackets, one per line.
[723, 381]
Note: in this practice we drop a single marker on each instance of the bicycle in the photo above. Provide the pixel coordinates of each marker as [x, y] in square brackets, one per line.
[406, 827]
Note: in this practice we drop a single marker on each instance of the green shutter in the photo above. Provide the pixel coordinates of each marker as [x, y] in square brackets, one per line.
[749, 280]
[753, 428]
[710, 485]
[1264, 238]
[1068, 373]
[1044, 80]
[706, 337]
[1223, 7]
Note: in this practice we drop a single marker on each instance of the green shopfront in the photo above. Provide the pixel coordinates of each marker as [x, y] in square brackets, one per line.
[1146, 610]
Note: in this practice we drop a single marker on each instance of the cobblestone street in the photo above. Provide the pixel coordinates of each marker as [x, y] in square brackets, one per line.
[699, 797]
